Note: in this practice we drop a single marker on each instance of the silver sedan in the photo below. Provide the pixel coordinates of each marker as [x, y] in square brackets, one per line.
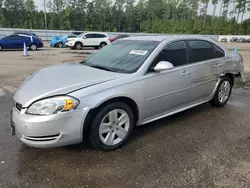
[128, 83]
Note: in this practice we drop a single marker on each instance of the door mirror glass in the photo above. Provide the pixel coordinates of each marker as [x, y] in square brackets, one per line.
[163, 65]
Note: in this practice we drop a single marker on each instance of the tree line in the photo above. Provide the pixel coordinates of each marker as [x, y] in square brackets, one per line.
[151, 16]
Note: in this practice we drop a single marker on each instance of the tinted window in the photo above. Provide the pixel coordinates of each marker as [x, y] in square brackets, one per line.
[200, 51]
[89, 36]
[99, 36]
[175, 53]
[218, 52]
[122, 56]
[15, 37]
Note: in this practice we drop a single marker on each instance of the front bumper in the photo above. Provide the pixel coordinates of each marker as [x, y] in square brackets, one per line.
[49, 131]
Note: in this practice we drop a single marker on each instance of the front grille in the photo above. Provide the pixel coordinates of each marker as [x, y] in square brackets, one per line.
[19, 106]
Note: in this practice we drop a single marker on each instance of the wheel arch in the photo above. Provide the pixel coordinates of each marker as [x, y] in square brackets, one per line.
[231, 75]
[91, 114]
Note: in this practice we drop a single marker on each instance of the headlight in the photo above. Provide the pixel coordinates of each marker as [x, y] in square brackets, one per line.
[53, 105]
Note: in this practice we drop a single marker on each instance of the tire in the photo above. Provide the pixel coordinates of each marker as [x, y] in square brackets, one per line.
[78, 46]
[223, 92]
[102, 45]
[59, 45]
[113, 135]
[1, 48]
[33, 47]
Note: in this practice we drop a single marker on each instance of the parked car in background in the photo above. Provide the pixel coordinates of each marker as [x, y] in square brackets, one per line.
[16, 41]
[247, 40]
[60, 42]
[117, 37]
[223, 40]
[234, 39]
[241, 40]
[91, 39]
[27, 33]
[128, 83]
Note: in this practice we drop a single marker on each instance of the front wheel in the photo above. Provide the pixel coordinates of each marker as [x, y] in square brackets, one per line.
[1, 48]
[112, 126]
[59, 45]
[78, 46]
[223, 92]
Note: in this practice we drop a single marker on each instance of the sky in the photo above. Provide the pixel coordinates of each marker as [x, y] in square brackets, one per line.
[39, 4]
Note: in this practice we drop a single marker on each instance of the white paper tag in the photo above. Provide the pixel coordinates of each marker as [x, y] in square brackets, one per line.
[138, 52]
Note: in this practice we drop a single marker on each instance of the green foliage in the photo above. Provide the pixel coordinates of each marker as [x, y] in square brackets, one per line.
[153, 16]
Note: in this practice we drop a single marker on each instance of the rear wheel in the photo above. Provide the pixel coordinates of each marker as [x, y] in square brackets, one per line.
[103, 44]
[78, 46]
[223, 92]
[33, 47]
[112, 126]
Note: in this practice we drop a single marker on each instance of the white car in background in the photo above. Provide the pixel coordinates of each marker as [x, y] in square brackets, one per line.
[96, 40]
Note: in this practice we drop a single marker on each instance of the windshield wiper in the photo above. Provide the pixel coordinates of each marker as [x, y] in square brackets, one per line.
[102, 68]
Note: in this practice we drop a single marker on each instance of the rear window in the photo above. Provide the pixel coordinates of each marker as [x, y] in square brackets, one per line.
[200, 51]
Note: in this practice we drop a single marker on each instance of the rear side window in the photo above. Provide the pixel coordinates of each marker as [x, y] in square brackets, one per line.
[100, 36]
[175, 53]
[218, 52]
[200, 51]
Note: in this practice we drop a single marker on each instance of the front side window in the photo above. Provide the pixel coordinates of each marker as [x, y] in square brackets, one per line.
[122, 56]
[200, 51]
[175, 53]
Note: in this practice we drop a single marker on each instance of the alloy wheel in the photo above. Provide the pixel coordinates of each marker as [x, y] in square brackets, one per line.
[224, 91]
[114, 127]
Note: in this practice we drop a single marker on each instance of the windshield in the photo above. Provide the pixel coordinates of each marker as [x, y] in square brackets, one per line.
[125, 56]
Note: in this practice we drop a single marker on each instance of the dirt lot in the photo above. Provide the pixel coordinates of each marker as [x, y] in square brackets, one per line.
[201, 147]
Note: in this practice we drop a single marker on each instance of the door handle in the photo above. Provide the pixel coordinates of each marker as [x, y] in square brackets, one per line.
[185, 73]
[217, 65]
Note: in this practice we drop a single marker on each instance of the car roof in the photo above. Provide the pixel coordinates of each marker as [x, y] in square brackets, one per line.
[169, 38]
[96, 33]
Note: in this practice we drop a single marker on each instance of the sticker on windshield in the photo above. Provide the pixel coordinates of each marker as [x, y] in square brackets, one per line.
[138, 52]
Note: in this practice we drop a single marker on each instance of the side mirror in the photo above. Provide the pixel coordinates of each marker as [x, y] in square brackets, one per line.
[163, 65]
[84, 37]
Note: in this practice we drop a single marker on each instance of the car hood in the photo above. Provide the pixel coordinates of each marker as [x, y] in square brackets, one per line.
[60, 79]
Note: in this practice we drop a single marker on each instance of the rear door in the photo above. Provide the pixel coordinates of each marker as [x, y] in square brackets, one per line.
[99, 38]
[201, 65]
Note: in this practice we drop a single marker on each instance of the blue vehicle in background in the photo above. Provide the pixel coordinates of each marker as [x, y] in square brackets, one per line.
[16, 41]
[59, 42]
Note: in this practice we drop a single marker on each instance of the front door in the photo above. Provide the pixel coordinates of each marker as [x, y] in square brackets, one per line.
[88, 40]
[168, 90]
